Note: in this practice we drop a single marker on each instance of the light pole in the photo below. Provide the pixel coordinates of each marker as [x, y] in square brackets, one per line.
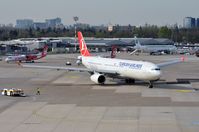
[75, 19]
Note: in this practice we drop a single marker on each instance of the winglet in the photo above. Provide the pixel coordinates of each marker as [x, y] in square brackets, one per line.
[82, 45]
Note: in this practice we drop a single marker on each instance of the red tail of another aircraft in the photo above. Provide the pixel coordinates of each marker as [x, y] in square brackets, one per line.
[82, 45]
[44, 52]
[113, 52]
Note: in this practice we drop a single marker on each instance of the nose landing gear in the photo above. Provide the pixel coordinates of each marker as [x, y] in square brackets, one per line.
[130, 81]
[150, 84]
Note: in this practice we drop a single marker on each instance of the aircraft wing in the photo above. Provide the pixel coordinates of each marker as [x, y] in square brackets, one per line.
[70, 69]
[58, 68]
[164, 64]
[133, 52]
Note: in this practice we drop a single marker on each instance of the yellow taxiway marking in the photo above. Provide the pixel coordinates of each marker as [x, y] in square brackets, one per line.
[184, 91]
[73, 77]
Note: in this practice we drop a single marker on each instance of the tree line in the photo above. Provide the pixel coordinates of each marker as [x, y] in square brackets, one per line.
[149, 31]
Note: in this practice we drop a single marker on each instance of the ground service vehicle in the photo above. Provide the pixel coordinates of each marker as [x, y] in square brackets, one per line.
[13, 92]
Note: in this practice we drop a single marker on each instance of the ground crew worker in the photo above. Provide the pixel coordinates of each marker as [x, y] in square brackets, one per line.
[38, 91]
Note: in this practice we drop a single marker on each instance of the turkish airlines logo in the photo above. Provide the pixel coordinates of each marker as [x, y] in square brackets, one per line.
[83, 47]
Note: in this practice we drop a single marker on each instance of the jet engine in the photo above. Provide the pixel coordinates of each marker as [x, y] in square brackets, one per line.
[79, 60]
[98, 78]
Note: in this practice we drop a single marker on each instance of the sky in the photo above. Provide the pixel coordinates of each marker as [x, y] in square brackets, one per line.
[97, 12]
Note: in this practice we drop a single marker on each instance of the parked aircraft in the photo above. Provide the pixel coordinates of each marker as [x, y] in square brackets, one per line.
[27, 58]
[100, 68]
[152, 49]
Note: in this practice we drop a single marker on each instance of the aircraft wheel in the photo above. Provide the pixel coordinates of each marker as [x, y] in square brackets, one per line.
[150, 85]
[130, 81]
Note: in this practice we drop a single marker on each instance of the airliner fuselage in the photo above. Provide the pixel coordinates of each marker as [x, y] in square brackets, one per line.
[140, 70]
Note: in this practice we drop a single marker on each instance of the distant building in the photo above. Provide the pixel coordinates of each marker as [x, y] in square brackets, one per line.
[24, 23]
[189, 22]
[61, 26]
[10, 25]
[41, 25]
[53, 22]
[197, 22]
[29, 23]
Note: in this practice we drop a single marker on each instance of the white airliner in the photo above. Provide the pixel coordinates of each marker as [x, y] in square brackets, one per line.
[152, 49]
[100, 68]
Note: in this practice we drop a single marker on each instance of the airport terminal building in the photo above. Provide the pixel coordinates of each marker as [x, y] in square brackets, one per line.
[70, 44]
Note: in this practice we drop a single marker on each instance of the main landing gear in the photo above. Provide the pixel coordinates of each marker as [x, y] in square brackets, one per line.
[150, 84]
[130, 81]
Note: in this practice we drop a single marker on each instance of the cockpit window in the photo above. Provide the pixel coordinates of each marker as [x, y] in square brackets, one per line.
[156, 69]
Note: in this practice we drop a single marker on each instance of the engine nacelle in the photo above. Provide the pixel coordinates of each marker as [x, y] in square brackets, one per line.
[79, 60]
[98, 78]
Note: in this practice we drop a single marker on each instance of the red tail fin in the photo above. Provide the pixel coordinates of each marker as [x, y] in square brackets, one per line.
[113, 52]
[82, 45]
[44, 52]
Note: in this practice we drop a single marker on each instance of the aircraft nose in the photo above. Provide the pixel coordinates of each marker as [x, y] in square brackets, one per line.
[156, 73]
